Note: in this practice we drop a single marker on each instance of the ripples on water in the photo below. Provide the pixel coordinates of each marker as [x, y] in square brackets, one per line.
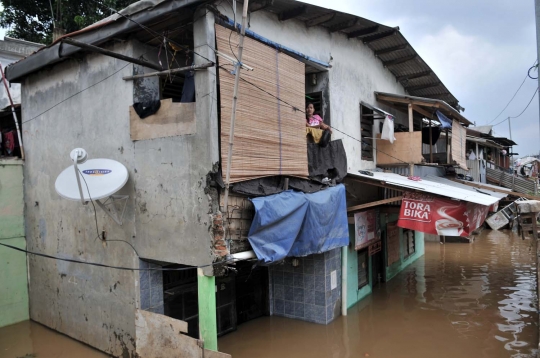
[459, 300]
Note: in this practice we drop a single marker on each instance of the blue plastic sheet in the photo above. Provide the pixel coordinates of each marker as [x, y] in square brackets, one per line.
[294, 224]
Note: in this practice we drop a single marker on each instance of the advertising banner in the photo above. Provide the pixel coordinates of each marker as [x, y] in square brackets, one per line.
[440, 216]
[365, 224]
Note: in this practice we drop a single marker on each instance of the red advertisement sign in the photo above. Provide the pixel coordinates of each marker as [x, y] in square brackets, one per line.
[440, 216]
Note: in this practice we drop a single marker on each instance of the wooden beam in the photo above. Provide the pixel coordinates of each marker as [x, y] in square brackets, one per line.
[397, 61]
[405, 100]
[411, 118]
[513, 193]
[419, 87]
[414, 75]
[391, 49]
[422, 111]
[363, 32]
[374, 203]
[259, 5]
[321, 19]
[343, 25]
[168, 72]
[291, 14]
[378, 36]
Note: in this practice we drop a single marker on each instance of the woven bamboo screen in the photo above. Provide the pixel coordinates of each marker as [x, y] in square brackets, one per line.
[459, 137]
[269, 135]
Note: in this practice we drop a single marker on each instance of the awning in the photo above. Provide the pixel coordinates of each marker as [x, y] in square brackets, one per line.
[399, 182]
[425, 106]
[294, 224]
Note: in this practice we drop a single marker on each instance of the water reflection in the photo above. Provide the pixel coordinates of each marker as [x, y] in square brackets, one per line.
[459, 300]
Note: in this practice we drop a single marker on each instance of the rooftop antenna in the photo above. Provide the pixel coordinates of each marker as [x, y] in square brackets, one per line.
[102, 179]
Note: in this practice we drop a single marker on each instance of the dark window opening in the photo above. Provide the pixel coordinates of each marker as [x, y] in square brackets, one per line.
[363, 268]
[180, 297]
[316, 99]
[366, 132]
[409, 244]
[9, 139]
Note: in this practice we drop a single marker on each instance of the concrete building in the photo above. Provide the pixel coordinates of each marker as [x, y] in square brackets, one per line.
[95, 89]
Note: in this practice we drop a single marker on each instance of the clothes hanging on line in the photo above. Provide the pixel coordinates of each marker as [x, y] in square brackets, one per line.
[388, 129]
[445, 121]
[145, 109]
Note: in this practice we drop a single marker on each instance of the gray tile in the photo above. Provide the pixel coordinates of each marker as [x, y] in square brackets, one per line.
[320, 298]
[309, 282]
[287, 266]
[145, 299]
[298, 295]
[277, 267]
[327, 255]
[144, 280]
[308, 258]
[298, 279]
[320, 314]
[319, 268]
[309, 297]
[299, 310]
[277, 277]
[156, 297]
[318, 258]
[288, 293]
[320, 283]
[279, 307]
[327, 282]
[156, 278]
[288, 279]
[309, 267]
[309, 312]
[289, 308]
[279, 292]
[329, 313]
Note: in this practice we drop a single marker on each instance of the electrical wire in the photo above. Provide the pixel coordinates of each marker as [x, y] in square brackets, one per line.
[514, 96]
[534, 95]
[115, 267]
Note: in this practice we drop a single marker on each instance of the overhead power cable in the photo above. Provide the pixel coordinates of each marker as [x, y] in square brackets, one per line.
[528, 104]
[514, 96]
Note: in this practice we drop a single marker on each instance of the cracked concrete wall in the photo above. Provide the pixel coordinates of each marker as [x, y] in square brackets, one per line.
[168, 213]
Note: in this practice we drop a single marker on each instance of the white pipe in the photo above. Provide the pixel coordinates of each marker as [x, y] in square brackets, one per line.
[238, 67]
[245, 255]
[344, 281]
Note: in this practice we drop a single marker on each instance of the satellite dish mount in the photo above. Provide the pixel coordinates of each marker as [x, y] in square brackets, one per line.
[102, 179]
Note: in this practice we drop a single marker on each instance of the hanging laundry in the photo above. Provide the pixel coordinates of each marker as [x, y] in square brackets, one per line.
[445, 121]
[188, 91]
[435, 134]
[388, 129]
[145, 109]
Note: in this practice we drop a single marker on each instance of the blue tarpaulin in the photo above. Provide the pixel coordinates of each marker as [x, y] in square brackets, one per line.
[294, 224]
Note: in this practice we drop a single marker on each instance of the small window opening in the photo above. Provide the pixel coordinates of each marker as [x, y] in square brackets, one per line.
[9, 139]
[409, 244]
[366, 132]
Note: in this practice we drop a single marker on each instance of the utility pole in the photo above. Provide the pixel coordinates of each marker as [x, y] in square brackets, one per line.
[537, 12]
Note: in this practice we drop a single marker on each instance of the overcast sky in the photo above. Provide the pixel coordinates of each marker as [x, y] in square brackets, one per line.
[480, 49]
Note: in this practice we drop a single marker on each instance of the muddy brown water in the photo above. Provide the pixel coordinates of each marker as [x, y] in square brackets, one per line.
[459, 300]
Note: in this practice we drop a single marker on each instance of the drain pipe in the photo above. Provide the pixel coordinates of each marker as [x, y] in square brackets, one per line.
[13, 112]
[344, 280]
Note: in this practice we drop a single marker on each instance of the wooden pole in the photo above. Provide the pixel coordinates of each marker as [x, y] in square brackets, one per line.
[447, 148]
[168, 72]
[13, 113]
[430, 143]
[411, 129]
[238, 67]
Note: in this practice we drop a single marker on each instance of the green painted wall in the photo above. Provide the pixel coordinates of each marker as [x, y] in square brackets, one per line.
[354, 295]
[13, 271]
[207, 310]
[403, 262]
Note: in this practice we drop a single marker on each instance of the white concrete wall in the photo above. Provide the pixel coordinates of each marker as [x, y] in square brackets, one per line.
[354, 77]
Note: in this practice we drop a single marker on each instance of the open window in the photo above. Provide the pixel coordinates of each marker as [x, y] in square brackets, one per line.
[363, 268]
[408, 243]
[9, 139]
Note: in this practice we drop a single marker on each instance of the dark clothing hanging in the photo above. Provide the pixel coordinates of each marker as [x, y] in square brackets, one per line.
[145, 109]
[188, 92]
[435, 134]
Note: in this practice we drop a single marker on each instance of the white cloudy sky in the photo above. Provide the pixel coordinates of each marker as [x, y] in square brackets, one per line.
[480, 49]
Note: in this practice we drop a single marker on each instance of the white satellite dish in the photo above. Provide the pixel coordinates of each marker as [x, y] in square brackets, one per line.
[93, 179]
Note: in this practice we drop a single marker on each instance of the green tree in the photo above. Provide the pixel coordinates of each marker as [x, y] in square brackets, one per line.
[33, 20]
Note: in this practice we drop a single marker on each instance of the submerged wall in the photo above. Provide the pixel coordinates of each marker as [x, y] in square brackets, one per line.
[13, 273]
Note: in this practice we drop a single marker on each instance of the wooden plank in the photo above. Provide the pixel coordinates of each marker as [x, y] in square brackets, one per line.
[504, 191]
[422, 111]
[374, 203]
[320, 20]
[213, 354]
[172, 119]
[411, 118]
[459, 139]
[406, 149]
[363, 32]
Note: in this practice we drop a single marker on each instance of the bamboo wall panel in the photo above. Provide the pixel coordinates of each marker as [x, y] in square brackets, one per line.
[269, 135]
[459, 139]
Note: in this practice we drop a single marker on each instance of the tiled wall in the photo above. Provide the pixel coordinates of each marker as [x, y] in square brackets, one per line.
[151, 284]
[304, 292]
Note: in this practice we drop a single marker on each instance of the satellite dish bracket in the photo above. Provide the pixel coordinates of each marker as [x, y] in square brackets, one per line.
[110, 208]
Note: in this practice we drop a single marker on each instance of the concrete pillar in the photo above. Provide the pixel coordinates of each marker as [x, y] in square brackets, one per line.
[207, 310]
[204, 36]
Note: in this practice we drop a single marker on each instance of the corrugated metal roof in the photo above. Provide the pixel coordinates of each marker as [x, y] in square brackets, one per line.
[428, 186]
[466, 187]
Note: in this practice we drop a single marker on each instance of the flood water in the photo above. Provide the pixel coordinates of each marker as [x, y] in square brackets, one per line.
[459, 300]
[29, 339]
